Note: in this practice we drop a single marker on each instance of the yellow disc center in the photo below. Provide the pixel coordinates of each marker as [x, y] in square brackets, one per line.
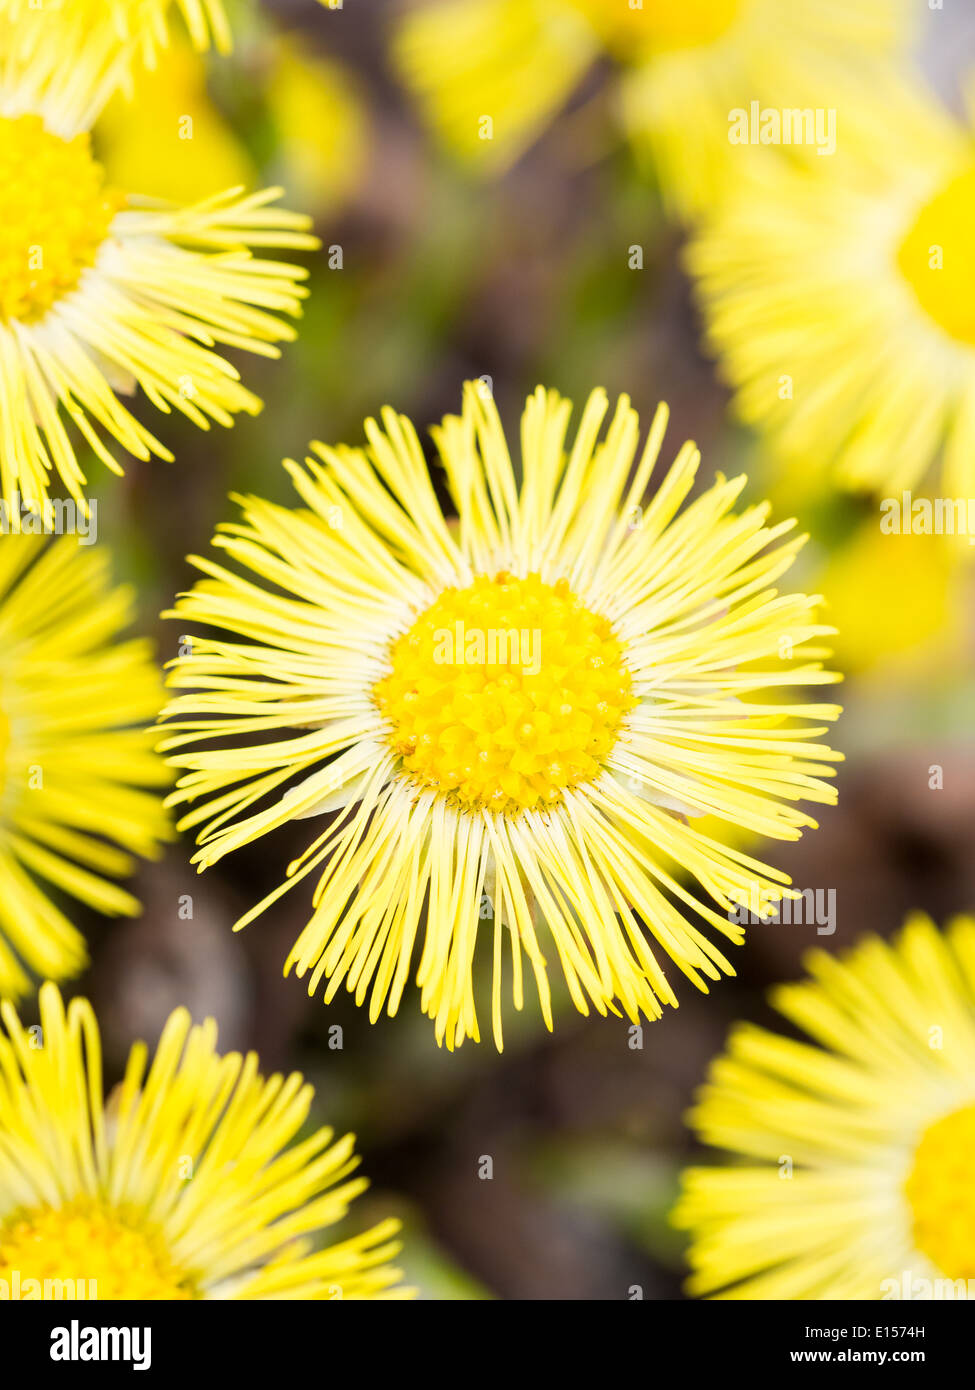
[55, 211]
[506, 693]
[625, 25]
[937, 257]
[91, 1241]
[942, 1195]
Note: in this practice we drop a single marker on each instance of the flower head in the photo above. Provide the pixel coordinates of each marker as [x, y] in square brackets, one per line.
[839, 301]
[79, 780]
[101, 295]
[512, 715]
[186, 1184]
[491, 74]
[852, 1173]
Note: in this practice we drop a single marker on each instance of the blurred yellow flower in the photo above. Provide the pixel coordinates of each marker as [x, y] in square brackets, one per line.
[172, 143]
[839, 301]
[322, 126]
[896, 601]
[491, 74]
[77, 767]
[188, 1184]
[513, 716]
[98, 295]
[852, 1174]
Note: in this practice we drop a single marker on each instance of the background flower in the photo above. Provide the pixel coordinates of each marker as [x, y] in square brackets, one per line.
[180, 140]
[491, 74]
[187, 1184]
[102, 294]
[838, 299]
[174, 142]
[852, 1176]
[80, 785]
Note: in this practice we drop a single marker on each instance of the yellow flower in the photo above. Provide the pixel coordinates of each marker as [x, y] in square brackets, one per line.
[898, 602]
[491, 74]
[186, 1185]
[77, 766]
[854, 1174]
[98, 294]
[513, 714]
[839, 301]
[175, 143]
[172, 143]
[321, 120]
